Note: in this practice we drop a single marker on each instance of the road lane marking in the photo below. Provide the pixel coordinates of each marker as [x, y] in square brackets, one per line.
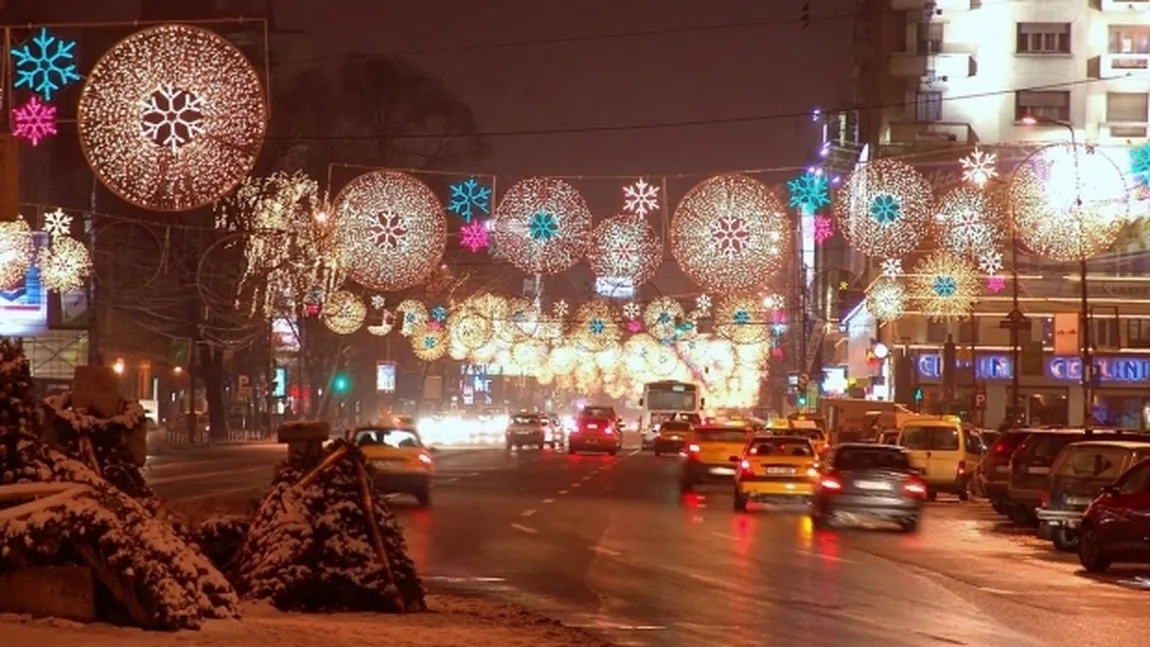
[987, 589]
[828, 558]
[561, 492]
[526, 529]
[633, 453]
[723, 535]
[548, 500]
[451, 480]
[605, 551]
[586, 478]
[527, 513]
[473, 474]
[576, 485]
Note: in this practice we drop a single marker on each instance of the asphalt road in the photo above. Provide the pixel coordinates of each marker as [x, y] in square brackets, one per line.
[608, 544]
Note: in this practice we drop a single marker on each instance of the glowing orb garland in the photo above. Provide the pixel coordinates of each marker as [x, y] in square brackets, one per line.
[739, 319]
[946, 286]
[469, 329]
[886, 299]
[542, 225]
[430, 345]
[16, 251]
[969, 221]
[390, 230]
[883, 208]
[626, 247]
[729, 234]
[172, 118]
[65, 266]
[343, 312]
[595, 327]
[662, 318]
[34, 121]
[1069, 202]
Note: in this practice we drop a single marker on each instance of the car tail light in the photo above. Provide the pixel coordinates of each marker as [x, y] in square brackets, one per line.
[609, 431]
[693, 450]
[824, 449]
[754, 451]
[914, 487]
[1046, 499]
[812, 473]
[745, 466]
[425, 459]
[831, 484]
[961, 468]
[1000, 448]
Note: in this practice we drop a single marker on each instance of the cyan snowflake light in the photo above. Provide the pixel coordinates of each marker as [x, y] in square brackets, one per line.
[824, 229]
[542, 225]
[625, 247]
[737, 318]
[57, 223]
[892, 267]
[430, 345]
[439, 313]
[473, 236]
[886, 299]
[809, 191]
[640, 198]
[978, 168]
[1140, 164]
[946, 286]
[45, 64]
[741, 317]
[969, 221]
[995, 283]
[883, 207]
[469, 198]
[34, 121]
[596, 326]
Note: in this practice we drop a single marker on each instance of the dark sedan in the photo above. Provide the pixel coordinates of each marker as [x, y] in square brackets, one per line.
[865, 482]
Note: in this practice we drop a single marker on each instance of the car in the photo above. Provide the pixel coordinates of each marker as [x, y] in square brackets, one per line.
[525, 430]
[776, 469]
[945, 452]
[553, 434]
[868, 481]
[712, 455]
[993, 472]
[399, 462]
[1115, 526]
[672, 437]
[596, 433]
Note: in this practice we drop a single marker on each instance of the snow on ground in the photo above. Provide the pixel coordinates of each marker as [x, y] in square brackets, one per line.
[453, 621]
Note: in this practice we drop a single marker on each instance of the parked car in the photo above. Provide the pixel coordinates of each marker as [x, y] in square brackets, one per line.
[1079, 474]
[943, 451]
[993, 472]
[1116, 527]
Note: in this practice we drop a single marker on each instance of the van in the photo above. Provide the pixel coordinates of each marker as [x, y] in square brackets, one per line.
[944, 452]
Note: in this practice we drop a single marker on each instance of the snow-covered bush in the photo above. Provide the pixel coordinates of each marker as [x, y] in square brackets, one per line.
[221, 538]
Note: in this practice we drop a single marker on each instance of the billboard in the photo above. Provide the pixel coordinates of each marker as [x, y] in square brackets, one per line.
[24, 305]
[385, 377]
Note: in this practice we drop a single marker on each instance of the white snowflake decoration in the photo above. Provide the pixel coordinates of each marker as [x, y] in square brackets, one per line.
[990, 262]
[892, 267]
[561, 308]
[731, 235]
[57, 223]
[971, 231]
[378, 301]
[703, 304]
[774, 302]
[979, 167]
[631, 311]
[640, 198]
[172, 117]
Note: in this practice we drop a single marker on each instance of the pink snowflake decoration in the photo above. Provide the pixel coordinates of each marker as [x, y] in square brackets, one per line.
[731, 235]
[823, 229]
[388, 230]
[995, 283]
[34, 120]
[473, 236]
[635, 326]
[434, 326]
[777, 352]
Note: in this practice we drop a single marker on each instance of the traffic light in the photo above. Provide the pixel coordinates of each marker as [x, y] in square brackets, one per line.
[801, 401]
[341, 384]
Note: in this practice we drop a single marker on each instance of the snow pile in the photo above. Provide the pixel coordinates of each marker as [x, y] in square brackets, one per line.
[310, 546]
[221, 538]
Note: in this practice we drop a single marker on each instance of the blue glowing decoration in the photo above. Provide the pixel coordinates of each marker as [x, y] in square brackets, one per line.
[809, 192]
[944, 286]
[885, 208]
[741, 317]
[409, 317]
[439, 313]
[597, 326]
[542, 226]
[45, 64]
[469, 198]
[664, 318]
[429, 342]
[1140, 164]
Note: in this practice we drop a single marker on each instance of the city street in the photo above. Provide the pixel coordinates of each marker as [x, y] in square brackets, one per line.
[608, 544]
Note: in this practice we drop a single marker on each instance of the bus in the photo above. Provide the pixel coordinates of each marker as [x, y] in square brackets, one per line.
[665, 401]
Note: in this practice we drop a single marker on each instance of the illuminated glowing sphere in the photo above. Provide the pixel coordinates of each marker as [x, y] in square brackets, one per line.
[1069, 203]
[172, 118]
[390, 230]
[883, 208]
[596, 326]
[662, 318]
[65, 266]
[523, 319]
[740, 318]
[542, 225]
[16, 251]
[946, 286]
[343, 312]
[729, 234]
[886, 299]
[626, 247]
[529, 355]
[468, 329]
[562, 360]
[430, 345]
[413, 317]
[969, 221]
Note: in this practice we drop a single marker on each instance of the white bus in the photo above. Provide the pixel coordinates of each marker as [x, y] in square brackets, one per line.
[665, 401]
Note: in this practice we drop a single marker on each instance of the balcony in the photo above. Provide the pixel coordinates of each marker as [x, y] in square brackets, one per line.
[938, 133]
[1122, 130]
[1118, 6]
[947, 67]
[1118, 65]
[944, 5]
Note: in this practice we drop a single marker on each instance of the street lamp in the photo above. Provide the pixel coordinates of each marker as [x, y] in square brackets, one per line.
[118, 367]
[1084, 318]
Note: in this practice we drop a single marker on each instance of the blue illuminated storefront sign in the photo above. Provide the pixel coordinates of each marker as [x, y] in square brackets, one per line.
[987, 367]
[1110, 369]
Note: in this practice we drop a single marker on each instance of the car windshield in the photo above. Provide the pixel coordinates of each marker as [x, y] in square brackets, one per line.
[1103, 463]
[721, 435]
[877, 457]
[386, 436]
[1042, 449]
[675, 426]
[525, 420]
[784, 447]
[599, 412]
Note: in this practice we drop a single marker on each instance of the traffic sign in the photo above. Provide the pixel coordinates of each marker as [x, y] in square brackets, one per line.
[980, 396]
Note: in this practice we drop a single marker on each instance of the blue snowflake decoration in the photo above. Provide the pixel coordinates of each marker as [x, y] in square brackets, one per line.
[741, 317]
[1140, 164]
[542, 226]
[597, 326]
[439, 313]
[944, 286]
[664, 318]
[409, 317]
[885, 209]
[429, 342]
[683, 328]
[45, 64]
[469, 198]
[809, 192]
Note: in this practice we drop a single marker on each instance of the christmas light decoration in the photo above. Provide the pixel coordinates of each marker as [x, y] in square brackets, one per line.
[473, 236]
[596, 328]
[57, 223]
[45, 64]
[378, 301]
[1140, 164]
[945, 285]
[626, 248]
[439, 314]
[809, 192]
[640, 198]
[883, 208]
[662, 317]
[560, 308]
[34, 121]
[343, 312]
[729, 234]
[542, 225]
[634, 326]
[172, 118]
[632, 311]
[892, 267]
[387, 322]
[414, 317]
[737, 318]
[1069, 202]
[990, 261]
[774, 302]
[469, 329]
[978, 168]
[969, 221]
[16, 251]
[886, 299]
[65, 266]
[824, 229]
[995, 283]
[390, 230]
[703, 304]
[469, 198]
[430, 345]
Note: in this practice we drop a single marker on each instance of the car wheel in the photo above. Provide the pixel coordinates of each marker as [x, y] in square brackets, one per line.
[909, 525]
[658, 452]
[423, 496]
[686, 487]
[1065, 540]
[997, 506]
[932, 495]
[740, 502]
[613, 452]
[819, 521]
[1090, 553]
[964, 495]
[1020, 517]
[508, 449]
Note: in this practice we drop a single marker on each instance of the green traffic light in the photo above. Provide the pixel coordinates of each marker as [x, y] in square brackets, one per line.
[341, 384]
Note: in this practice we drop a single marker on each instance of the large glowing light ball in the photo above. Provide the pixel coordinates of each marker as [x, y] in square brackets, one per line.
[946, 286]
[596, 326]
[883, 208]
[729, 234]
[741, 319]
[970, 221]
[542, 225]
[886, 299]
[172, 118]
[343, 312]
[390, 230]
[65, 266]
[16, 252]
[1069, 202]
[626, 247]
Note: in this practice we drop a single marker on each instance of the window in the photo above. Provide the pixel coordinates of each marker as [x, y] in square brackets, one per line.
[396, 438]
[1124, 110]
[1050, 105]
[784, 448]
[936, 332]
[1044, 38]
[1135, 480]
[974, 442]
[930, 438]
[1105, 332]
[929, 38]
[928, 107]
[603, 412]
[1138, 333]
[857, 458]
[1101, 463]
[1129, 39]
[721, 435]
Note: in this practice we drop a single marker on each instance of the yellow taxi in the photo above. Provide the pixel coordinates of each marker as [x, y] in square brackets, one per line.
[400, 463]
[712, 454]
[776, 469]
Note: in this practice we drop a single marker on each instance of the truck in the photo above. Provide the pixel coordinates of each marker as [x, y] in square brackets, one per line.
[854, 419]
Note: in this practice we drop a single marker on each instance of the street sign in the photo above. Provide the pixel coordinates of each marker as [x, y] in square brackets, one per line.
[980, 396]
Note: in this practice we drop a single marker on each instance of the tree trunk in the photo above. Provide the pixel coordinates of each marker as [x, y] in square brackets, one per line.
[212, 373]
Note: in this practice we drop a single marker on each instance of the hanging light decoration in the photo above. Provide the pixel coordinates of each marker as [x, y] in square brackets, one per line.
[430, 345]
[343, 312]
[16, 251]
[65, 265]
[542, 225]
[970, 221]
[883, 208]
[626, 249]
[886, 299]
[740, 319]
[946, 286]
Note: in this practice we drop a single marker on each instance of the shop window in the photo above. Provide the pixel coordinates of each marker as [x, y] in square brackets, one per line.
[1138, 333]
[1121, 411]
[1048, 331]
[1047, 406]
